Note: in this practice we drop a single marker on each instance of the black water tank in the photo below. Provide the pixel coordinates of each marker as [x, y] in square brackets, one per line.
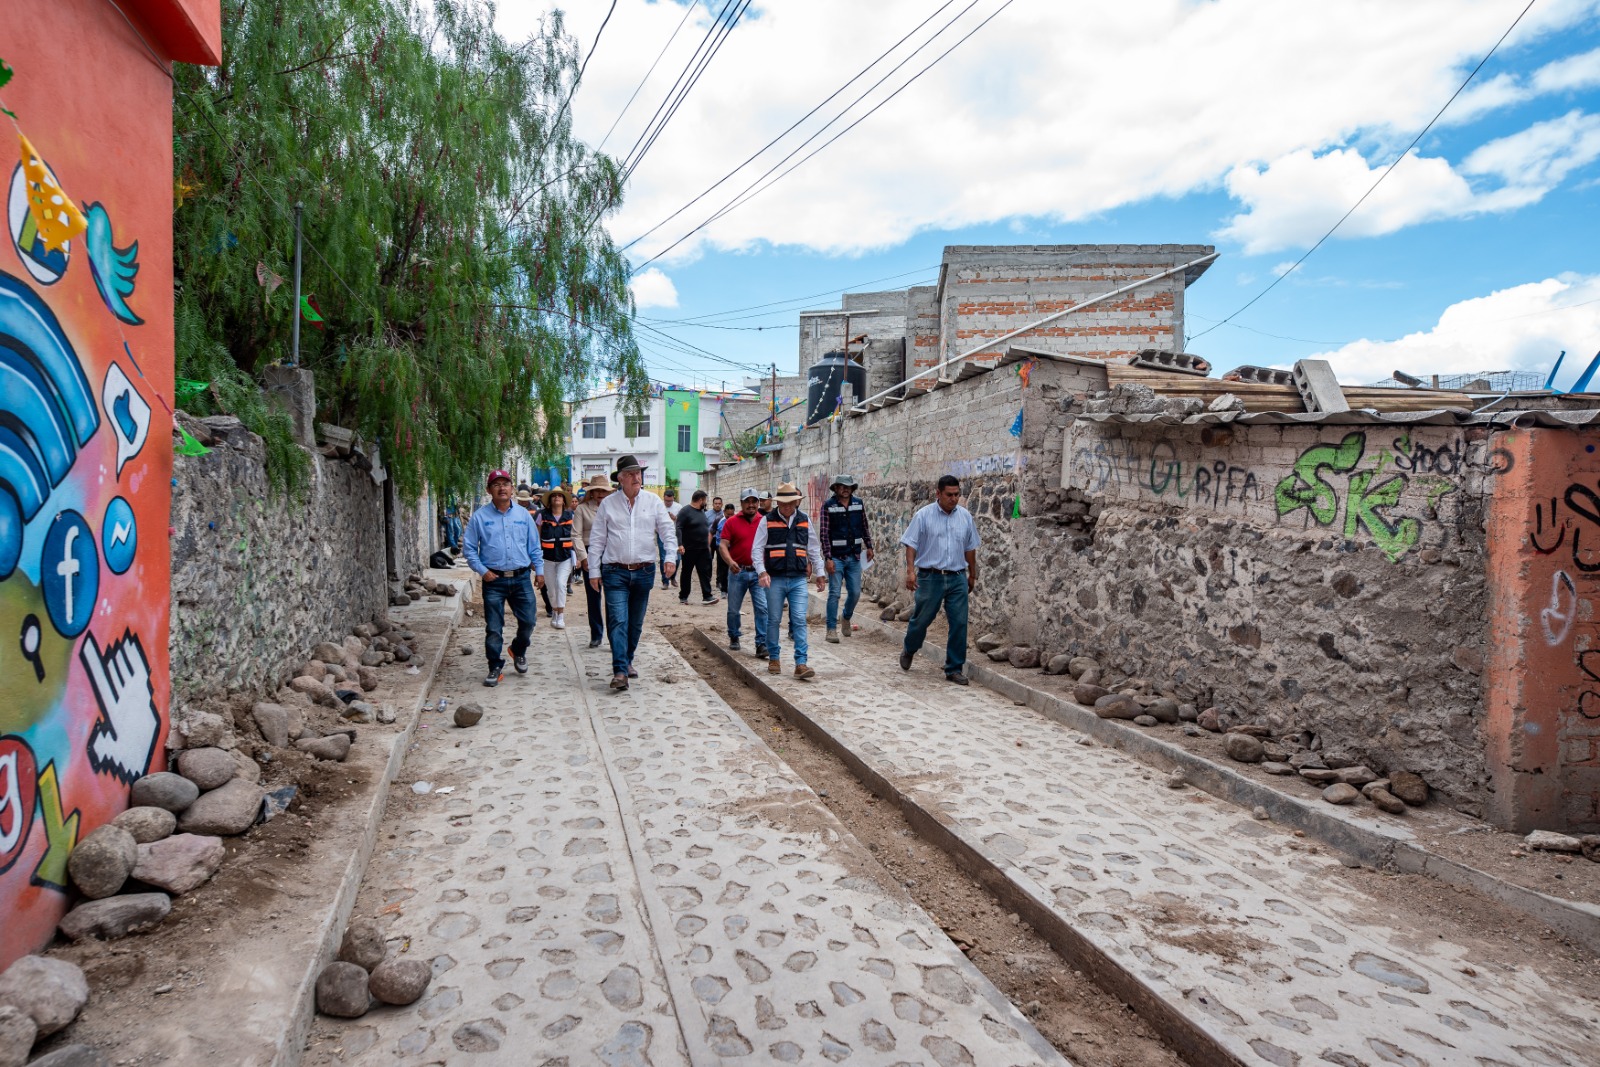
[826, 381]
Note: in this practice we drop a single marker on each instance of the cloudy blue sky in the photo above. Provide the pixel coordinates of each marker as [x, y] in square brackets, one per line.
[1250, 124]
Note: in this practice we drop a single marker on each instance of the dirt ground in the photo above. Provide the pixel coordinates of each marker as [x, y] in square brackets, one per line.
[1088, 1025]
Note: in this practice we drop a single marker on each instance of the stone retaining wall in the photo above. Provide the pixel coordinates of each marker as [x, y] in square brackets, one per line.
[257, 580]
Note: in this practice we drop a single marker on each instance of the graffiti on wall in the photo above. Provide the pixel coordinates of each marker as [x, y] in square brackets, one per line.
[1384, 496]
[85, 338]
[1566, 528]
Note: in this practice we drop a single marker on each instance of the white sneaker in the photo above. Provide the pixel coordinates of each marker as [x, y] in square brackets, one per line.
[560, 621]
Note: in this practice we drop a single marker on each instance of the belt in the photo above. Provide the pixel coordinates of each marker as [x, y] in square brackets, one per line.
[936, 570]
[629, 566]
[510, 574]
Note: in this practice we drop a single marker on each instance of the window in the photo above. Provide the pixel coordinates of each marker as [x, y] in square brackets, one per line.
[685, 438]
[594, 427]
[636, 427]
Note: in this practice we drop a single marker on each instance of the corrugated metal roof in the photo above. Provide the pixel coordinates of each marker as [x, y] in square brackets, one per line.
[1439, 417]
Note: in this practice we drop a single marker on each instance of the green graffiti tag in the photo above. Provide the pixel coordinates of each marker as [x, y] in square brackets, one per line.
[1362, 509]
[1306, 488]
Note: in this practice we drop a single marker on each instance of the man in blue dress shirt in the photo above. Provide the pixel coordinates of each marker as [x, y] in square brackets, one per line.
[941, 568]
[502, 546]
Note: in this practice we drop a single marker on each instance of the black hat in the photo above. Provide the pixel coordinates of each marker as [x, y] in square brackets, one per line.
[626, 463]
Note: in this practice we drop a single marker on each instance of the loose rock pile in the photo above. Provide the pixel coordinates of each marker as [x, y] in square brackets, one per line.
[38, 997]
[417, 586]
[363, 975]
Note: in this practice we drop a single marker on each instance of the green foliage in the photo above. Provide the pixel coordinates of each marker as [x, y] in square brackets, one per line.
[453, 227]
[231, 391]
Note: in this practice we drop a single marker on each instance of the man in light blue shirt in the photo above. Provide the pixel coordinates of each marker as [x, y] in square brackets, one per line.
[502, 546]
[941, 568]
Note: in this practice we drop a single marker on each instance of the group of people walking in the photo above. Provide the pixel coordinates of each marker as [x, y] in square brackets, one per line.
[767, 548]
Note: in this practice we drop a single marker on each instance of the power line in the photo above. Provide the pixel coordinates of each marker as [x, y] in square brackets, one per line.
[709, 45]
[752, 191]
[859, 74]
[1386, 172]
[687, 11]
[802, 299]
[571, 92]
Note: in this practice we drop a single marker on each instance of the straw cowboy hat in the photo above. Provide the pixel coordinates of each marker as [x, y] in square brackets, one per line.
[787, 492]
[524, 497]
[598, 484]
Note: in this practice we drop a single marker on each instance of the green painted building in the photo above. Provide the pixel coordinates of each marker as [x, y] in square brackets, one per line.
[682, 436]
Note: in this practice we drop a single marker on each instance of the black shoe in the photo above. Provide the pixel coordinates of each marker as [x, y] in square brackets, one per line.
[958, 678]
[761, 652]
[733, 646]
[594, 642]
[493, 678]
[905, 660]
[708, 600]
[520, 663]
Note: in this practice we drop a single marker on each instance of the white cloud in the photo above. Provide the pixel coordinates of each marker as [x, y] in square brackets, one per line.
[1569, 74]
[1295, 199]
[1520, 328]
[652, 289]
[1056, 111]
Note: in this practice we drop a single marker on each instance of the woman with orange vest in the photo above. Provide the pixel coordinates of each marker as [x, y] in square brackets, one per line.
[555, 538]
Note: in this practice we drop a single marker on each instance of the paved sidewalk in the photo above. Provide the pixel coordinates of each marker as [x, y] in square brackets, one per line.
[636, 878]
[1228, 923]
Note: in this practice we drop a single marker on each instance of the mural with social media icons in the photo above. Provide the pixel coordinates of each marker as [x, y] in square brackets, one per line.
[85, 468]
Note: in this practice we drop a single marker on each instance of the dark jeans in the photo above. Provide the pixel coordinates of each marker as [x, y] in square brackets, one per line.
[933, 589]
[627, 597]
[518, 592]
[722, 573]
[694, 561]
[597, 606]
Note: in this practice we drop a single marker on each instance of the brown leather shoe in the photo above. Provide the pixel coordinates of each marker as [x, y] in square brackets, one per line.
[773, 667]
[804, 672]
[619, 681]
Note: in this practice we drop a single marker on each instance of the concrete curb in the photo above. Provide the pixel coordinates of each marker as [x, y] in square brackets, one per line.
[1573, 919]
[1197, 1047]
[297, 1028]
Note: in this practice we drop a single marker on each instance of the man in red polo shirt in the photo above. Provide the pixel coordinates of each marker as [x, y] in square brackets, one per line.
[738, 536]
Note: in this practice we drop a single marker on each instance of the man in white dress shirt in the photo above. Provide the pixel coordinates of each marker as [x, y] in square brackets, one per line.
[622, 561]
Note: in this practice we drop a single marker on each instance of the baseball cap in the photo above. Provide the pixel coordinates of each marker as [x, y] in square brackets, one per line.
[495, 476]
[749, 494]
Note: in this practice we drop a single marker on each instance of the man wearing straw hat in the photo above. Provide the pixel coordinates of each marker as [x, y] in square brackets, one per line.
[595, 490]
[622, 561]
[786, 549]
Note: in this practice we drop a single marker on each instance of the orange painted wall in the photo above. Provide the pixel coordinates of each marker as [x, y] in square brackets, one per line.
[85, 437]
[1543, 691]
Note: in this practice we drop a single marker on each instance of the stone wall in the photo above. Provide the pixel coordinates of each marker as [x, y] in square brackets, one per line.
[257, 580]
[1325, 579]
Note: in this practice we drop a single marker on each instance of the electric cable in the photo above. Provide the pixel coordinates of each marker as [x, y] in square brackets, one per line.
[751, 191]
[1386, 172]
[716, 47]
[688, 9]
[677, 84]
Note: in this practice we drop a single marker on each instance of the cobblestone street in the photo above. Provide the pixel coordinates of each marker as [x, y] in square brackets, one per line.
[637, 879]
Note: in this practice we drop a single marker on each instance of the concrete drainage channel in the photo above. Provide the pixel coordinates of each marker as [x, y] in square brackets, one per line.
[1084, 846]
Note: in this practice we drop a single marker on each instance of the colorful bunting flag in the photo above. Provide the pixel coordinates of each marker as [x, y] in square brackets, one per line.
[1016, 424]
[56, 216]
[311, 313]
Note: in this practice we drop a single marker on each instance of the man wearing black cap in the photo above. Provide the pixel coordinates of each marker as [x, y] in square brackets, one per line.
[502, 546]
[622, 561]
[845, 537]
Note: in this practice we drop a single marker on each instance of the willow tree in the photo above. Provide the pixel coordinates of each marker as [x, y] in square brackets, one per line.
[455, 247]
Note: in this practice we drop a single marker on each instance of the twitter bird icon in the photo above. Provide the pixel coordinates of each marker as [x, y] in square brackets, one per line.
[114, 268]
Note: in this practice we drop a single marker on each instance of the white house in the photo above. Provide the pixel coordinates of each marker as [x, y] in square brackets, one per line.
[601, 432]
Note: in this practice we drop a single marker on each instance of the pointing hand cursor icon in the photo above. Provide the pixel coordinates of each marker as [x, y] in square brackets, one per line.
[124, 740]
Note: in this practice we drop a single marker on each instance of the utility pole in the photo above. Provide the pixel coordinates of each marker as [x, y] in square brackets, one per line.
[294, 357]
[772, 419]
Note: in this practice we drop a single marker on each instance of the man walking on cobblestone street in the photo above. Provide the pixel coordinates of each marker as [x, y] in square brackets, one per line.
[734, 542]
[694, 545]
[627, 529]
[941, 568]
[501, 546]
[845, 538]
[786, 547]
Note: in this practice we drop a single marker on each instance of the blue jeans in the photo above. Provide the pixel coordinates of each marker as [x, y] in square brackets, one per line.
[933, 589]
[518, 592]
[793, 589]
[846, 572]
[747, 579]
[452, 531]
[627, 596]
